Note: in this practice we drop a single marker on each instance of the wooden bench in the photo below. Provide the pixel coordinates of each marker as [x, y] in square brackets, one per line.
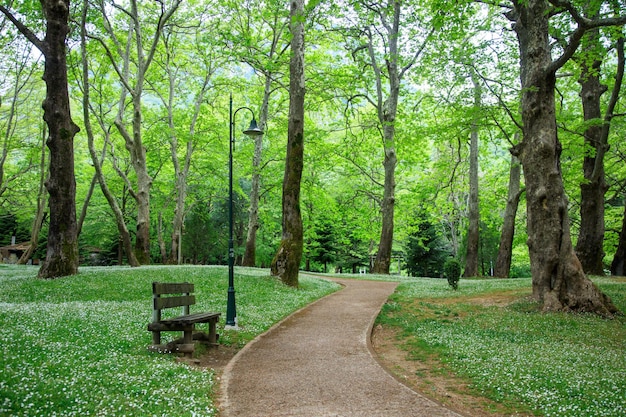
[172, 295]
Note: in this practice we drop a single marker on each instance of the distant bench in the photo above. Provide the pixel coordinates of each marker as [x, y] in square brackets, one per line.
[180, 294]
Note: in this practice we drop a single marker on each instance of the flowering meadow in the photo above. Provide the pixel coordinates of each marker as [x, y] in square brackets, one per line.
[491, 333]
[77, 346]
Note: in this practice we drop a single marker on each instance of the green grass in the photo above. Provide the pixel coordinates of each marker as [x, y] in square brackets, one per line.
[551, 364]
[76, 346]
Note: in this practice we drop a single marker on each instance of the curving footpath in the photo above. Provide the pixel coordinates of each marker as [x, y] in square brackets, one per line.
[318, 362]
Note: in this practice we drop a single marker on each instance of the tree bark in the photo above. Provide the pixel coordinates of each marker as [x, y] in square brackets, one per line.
[589, 247]
[62, 249]
[286, 262]
[249, 256]
[503, 262]
[269, 63]
[124, 234]
[471, 255]
[134, 85]
[617, 266]
[558, 279]
[387, 110]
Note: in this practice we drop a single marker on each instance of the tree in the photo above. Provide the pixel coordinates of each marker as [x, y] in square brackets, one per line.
[557, 275]
[286, 263]
[132, 83]
[503, 261]
[589, 247]
[382, 32]
[124, 234]
[426, 251]
[261, 43]
[471, 255]
[179, 65]
[62, 250]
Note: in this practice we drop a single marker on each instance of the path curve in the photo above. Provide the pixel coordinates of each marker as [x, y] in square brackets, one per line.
[318, 362]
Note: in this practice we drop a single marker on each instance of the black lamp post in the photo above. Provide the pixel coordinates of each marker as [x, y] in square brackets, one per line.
[252, 131]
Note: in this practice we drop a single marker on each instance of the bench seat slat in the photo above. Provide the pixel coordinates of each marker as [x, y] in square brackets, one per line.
[193, 318]
[181, 322]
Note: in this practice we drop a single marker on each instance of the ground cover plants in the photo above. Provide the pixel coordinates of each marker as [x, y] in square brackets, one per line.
[76, 346]
[492, 335]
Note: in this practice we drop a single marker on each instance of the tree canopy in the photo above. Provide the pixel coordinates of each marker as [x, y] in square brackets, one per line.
[389, 115]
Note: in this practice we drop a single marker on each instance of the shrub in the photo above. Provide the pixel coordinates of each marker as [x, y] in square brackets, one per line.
[452, 271]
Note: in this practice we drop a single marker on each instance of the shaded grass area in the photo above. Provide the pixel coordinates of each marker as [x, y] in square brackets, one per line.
[491, 334]
[76, 346]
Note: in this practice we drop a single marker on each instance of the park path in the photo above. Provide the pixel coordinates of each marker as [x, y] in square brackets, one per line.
[318, 362]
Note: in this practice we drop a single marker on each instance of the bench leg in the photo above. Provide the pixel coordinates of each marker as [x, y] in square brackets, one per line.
[156, 338]
[212, 332]
[188, 346]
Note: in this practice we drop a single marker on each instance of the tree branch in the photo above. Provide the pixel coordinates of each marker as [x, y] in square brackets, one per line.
[24, 30]
[584, 24]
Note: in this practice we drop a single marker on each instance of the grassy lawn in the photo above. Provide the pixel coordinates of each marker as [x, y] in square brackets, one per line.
[491, 334]
[76, 346]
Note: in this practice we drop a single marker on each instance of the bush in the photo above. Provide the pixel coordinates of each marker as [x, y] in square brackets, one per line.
[452, 271]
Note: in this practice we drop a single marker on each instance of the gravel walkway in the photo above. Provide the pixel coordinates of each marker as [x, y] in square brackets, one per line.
[318, 362]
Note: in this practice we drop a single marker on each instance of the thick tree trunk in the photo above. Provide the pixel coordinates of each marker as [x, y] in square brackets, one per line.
[589, 247]
[249, 257]
[286, 263]
[471, 255]
[558, 279]
[62, 251]
[503, 262]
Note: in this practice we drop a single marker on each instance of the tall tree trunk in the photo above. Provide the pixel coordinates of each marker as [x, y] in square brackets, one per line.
[161, 241]
[181, 173]
[387, 110]
[589, 247]
[124, 234]
[62, 250]
[471, 255]
[558, 279]
[286, 262]
[134, 85]
[503, 262]
[392, 70]
[249, 256]
[383, 256]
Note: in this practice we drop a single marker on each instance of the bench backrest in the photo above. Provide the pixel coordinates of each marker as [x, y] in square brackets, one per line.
[171, 295]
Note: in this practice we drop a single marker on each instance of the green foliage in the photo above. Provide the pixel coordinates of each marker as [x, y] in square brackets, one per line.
[235, 46]
[558, 365]
[324, 245]
[452, 271]
[86, 334]
[425, 250]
